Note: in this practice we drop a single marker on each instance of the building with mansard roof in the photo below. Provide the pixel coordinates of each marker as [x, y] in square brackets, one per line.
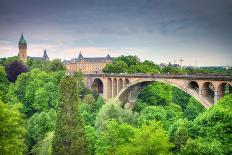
[23, 52]
[87, 64]
[43, 58]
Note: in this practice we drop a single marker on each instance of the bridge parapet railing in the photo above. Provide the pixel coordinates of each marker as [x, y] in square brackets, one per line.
[171, 76]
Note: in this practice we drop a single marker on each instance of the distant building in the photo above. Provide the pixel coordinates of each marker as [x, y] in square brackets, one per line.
[162, 65]
[43, 58]
[87, 65]
[23, 52]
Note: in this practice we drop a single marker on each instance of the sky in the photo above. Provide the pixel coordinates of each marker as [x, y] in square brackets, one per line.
[198, 31]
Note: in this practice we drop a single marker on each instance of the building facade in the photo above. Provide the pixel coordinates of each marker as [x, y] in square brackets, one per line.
[23, 52]
[87, 65]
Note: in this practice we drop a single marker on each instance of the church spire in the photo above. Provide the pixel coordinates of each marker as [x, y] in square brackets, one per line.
[45, 55]
[108, 56]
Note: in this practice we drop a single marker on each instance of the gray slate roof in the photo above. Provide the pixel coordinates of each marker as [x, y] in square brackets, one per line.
[43, 58]
[90, 59]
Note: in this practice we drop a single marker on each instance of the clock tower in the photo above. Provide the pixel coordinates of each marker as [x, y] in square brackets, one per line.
[22, 49]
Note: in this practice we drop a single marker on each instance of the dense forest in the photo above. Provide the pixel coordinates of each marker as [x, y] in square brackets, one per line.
[43, 111]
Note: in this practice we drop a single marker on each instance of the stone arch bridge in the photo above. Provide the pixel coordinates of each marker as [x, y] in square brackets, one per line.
[206, 88]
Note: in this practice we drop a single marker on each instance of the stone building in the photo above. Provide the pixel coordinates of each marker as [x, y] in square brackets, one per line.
[87, 65]
[22, 49]
[23, 52]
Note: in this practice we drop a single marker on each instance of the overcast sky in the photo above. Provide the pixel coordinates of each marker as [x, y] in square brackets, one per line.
[199, 31]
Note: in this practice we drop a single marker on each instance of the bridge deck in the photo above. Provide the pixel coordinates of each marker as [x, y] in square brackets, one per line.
[168, 76]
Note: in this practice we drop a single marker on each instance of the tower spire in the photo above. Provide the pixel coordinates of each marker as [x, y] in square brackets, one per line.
[80, 55]
[22, 40]
[108, 56]
[45, 55]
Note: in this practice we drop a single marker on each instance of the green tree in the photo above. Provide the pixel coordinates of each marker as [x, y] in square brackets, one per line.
[39, 125]
[118, 67]
[48, 66]
[91, 136]
[87, 114]
[151, 113]
[89, 108]
[12, 130]
[38, 91]
[69, 136]
[81, 89]
[129, 60]
[131, 64]
[178, 134]
[113, 137]
[112, 110]
[215, 123]
[108, 68]
[99, 103]
[145, 67]
[173, 113]
[5, 61]
[202, 146]
[156, 94]
[152, 64]
[140, 105]
[148, 140]
[32, 64]
[89, 100]
[170, 69]
[44, 147]
[194, 108]
[4, 83]
[11, 98]
[54, 66]
[142, 68]
[20, 86]
[180, 97]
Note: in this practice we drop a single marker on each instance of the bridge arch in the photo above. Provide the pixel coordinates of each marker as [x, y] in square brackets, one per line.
[194, 86]
[130, 92]
[126, 81]
[207, 91]
[97, 86]
[225, 88]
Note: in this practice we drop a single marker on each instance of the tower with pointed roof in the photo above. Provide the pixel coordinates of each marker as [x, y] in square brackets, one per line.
[45, 56]
[22, 49]
[80, 56]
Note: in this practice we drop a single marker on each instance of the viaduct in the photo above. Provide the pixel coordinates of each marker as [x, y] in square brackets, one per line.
[206, 88]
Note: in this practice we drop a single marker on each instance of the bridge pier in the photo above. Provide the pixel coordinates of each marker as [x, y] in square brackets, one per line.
[115, 88]
[217, 96]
